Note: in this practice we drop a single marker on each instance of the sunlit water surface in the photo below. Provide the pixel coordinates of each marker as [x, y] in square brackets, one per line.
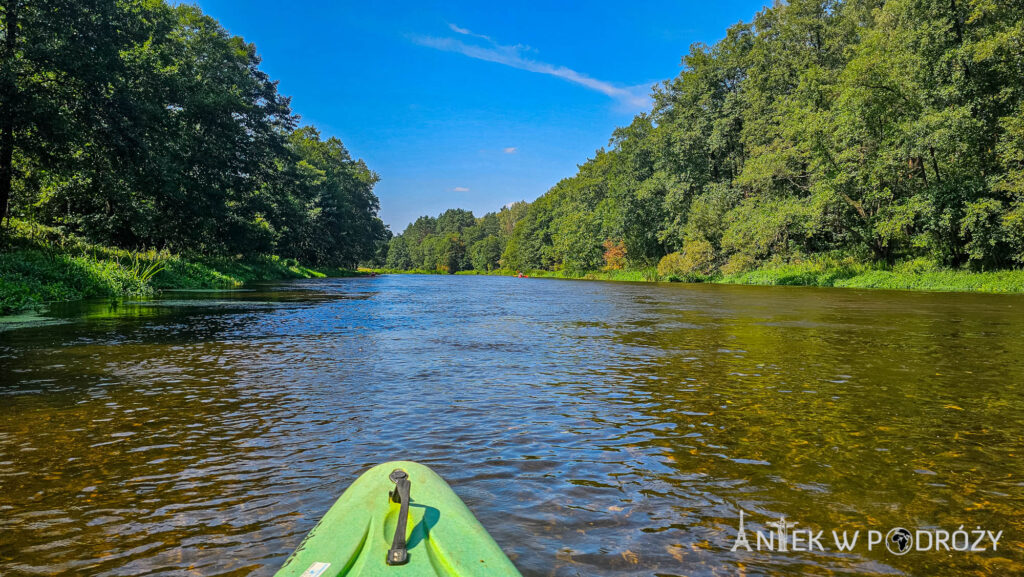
[593, 428]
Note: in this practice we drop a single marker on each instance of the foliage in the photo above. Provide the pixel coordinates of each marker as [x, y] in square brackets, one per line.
[822, 271]
[879, 131]
[694, 263]
[699, 257]
[135, 123]
[455, 241]
[648, 274]
[672, 266]
[905, 276]
[614, 254]
[40, 264]
[739, 262]
[485, 255]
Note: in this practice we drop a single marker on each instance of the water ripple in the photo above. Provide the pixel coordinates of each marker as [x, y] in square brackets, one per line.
[594, 428]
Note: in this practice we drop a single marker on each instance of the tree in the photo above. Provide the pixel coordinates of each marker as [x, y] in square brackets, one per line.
[876, 130]
[338, 220]
[398, 255]
[486, 254]
[56, 59]
[454, 221]
[135, 123]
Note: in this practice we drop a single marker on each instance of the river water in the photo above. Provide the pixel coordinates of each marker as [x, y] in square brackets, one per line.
[594, 428]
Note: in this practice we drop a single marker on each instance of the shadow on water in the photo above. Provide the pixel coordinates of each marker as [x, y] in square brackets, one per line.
[594, 428]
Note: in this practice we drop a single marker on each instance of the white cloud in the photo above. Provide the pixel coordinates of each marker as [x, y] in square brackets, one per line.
[467, 32]
[460, 189]
[512, 55]
[510, 150]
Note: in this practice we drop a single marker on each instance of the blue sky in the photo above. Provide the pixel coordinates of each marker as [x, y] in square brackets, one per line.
[471, 104]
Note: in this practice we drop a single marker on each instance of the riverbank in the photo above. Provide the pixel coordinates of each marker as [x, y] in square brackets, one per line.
[915, 275]
[39, 265]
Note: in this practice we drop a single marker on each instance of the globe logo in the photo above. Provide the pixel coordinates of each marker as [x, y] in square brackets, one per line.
[898, 541]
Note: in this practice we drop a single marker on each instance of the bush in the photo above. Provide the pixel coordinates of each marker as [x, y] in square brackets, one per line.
[671, 266]
[815, 270]
[1013, 227]
[917, 266]
[984, 231]
[762, 228]
[696, 262]
[614, 255]
[699, 257]
[739, 263]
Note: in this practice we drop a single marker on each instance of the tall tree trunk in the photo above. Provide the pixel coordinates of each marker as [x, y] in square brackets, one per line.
[7, 107]
[6, 162]
[935, 165]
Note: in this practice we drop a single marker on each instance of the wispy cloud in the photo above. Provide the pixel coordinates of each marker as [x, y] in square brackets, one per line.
[510, 150]
[485, 48]
[467, 32]
[460, 189]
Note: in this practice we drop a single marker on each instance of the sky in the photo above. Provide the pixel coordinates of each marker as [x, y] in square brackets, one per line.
[472, 104]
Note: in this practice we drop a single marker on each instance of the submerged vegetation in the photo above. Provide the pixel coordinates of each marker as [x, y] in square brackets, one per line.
[827, 142]
[171, 141]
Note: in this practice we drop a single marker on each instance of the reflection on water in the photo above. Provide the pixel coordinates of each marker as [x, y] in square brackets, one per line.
[594, 428]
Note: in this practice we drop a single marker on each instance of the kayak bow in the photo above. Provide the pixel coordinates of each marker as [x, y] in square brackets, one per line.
[398, 519]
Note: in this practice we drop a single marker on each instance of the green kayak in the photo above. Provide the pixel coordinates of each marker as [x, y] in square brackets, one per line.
[398, 519]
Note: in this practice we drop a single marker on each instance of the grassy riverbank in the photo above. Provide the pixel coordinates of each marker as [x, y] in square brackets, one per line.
[918, 275]
[38, 264]
[906, 276]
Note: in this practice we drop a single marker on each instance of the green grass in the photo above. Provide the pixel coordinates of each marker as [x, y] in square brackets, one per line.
[918, 275]
[911, 275]
[39, 264]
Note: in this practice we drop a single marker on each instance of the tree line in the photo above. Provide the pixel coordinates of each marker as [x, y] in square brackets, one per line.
[139, 124]
[455, 240]
[875, 130]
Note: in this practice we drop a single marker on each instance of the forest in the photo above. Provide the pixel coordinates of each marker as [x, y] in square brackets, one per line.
[139, 125]
[869, 132]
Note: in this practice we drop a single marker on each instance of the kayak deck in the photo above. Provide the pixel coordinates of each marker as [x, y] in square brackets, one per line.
[357, 535]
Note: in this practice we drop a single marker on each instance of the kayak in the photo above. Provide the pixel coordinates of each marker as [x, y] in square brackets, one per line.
[398, 519]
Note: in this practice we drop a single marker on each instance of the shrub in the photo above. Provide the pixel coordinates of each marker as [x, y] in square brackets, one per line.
[739, 263]
[763, 228]
[916, 266]
[699, 257]
[1013, 227]
[984, 231]
[671, 266]
[695, 262]
[614, 255]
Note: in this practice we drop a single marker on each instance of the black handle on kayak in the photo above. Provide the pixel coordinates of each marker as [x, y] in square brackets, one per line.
[398, 555]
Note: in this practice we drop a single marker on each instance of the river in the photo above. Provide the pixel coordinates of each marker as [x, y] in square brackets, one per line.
[594, 428]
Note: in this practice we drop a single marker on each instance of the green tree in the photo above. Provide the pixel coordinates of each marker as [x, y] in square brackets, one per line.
[881, 130]
[485, 254]
[338, 221]
[398, 254]
[57, 59]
